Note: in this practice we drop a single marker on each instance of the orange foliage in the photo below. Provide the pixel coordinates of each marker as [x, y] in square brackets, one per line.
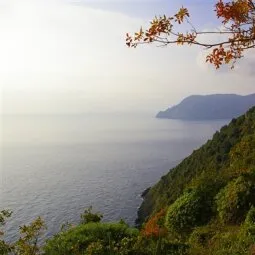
[236, 11]
[155, 225]
[238, 19]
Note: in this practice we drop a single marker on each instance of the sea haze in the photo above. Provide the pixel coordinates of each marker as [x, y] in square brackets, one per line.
[55, 166]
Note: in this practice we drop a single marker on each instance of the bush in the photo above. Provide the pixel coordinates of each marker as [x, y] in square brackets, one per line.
[249, 224]
[88, 238]
[201, 236]
[250, 218]
[4, 247]
[190, 210]
[88, 216]
[175, 248]
[161, 246]
[235, 199]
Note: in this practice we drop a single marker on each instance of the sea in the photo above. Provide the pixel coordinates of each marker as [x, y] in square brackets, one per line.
[55, 166]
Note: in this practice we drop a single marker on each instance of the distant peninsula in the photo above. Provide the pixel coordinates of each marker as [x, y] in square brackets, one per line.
[209, 107]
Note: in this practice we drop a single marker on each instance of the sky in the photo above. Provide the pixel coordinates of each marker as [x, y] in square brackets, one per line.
[69, 57]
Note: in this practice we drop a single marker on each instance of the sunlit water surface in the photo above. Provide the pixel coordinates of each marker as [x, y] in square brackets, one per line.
[55, 166]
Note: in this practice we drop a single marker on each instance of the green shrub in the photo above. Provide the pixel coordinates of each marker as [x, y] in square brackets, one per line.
[175, 248]
[234, 200]
[235, 239]
[95, 248]
[226, 243]
[89, 237]
[4, 247]
[190, 210]
[201, 236]
[88, 216]
[248, 227]
[161, 246]
[250, 217]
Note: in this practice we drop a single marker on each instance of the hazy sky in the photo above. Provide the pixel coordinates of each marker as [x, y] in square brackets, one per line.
[69, 56]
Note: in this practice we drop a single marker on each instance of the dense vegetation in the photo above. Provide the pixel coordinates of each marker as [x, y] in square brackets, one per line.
[229, 155]
[205, 205]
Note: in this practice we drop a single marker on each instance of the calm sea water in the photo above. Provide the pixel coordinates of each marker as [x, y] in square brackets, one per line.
[55, 166]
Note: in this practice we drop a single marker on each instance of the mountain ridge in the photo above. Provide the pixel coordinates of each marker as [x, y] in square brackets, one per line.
[209, 107]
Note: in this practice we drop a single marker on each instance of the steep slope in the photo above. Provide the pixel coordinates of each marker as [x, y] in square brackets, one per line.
[229, 154]
[205, 205]
[218, 106]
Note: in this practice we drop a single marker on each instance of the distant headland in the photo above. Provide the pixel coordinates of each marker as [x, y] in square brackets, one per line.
[209, 107]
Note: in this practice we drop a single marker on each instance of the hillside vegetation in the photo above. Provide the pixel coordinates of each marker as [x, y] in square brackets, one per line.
[205, 205]
[228, 155]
